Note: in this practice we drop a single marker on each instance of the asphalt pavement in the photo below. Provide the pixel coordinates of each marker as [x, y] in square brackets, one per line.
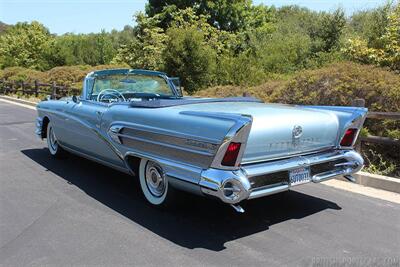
[76, 212]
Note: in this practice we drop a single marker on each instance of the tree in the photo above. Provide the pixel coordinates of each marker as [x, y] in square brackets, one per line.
[324, 29]
[391, 40]
[189, 57]
[285, 53]
[3, 27]
[219, 40]
[105, 48]
[86, 49]
[26, 45]
[387, 49]
[332, 26]
[154, 7]
[123, 37]
[227, 15]
[145, 50]
[370, 25]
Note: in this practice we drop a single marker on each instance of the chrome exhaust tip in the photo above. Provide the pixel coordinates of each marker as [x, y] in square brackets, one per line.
[237, 208]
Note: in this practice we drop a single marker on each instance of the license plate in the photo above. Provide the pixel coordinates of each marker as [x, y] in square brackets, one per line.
[299, 176]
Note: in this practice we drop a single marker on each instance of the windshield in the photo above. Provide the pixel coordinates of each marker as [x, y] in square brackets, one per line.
[111, 88]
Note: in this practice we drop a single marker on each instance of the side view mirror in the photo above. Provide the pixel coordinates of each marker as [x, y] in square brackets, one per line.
[76, 99]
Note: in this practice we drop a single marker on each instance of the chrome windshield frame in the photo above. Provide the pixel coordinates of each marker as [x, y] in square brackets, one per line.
[89, 81]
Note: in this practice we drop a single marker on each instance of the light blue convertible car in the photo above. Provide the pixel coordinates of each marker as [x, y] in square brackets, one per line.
[232, 149]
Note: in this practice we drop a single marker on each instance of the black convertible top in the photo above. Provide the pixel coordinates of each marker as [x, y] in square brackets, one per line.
[162, 103]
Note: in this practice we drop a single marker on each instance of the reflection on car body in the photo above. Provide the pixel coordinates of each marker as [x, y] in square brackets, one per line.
[233, 149]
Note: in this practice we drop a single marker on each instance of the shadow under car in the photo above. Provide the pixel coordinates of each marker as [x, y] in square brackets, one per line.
[196, 222]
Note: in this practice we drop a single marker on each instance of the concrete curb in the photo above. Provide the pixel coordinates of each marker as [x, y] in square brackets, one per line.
[378, 181]
[362, 178]
[18, 100]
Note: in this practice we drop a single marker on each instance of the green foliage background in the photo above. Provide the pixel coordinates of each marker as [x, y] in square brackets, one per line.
[226, 47]
[220, 42]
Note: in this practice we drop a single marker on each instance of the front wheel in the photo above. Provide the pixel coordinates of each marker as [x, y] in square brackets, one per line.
[52, 142]
[154, 184]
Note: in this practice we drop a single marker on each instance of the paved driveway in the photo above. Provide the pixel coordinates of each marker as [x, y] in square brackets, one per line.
[76, 212]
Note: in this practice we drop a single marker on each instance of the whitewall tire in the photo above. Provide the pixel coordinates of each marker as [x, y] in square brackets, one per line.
[154, 183]
[52, 142]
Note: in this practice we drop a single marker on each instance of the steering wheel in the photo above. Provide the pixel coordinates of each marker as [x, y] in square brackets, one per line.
[112, 92]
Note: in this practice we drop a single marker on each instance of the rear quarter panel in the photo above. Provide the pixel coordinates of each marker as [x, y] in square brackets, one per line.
[353, 117]
[168, 133]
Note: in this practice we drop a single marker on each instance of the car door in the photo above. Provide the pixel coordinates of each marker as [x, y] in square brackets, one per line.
[83, 134]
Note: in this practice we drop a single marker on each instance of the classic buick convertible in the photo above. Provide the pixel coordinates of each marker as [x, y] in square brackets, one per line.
[232, 149]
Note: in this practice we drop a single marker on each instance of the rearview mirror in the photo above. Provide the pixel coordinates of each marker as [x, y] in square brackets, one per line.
[127, 81]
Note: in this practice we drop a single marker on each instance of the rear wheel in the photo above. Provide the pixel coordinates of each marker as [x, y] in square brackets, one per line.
[154, 184]
[52, 143]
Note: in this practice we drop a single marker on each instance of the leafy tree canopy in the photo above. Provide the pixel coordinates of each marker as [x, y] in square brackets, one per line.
[228, 15]
[234, 42]
[383, 50]
[190, 57]
[26, 45]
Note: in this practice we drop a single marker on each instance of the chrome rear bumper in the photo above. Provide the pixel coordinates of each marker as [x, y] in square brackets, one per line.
[234, 186]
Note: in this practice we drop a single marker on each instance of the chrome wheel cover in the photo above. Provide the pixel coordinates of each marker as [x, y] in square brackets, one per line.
[155, 179]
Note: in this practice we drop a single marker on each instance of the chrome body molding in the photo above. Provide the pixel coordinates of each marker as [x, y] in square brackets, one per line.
[189, 138]
[238, 133]
[181, 148]
[114, 131]
[213, 181]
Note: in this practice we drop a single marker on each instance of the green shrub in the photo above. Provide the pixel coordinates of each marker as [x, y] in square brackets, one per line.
[336, 84]
[380, 164]
[242, 69]
[285, 53]
[71, 76]
[263, 91]
[189, 57]
[67, 75]
[340, 84]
